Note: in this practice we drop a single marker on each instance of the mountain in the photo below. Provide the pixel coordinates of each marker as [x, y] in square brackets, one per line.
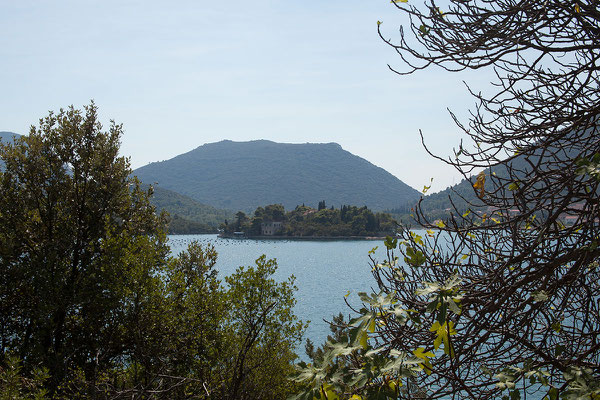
[245, 175]
[544, 158]
[186, 208]
[7, 136]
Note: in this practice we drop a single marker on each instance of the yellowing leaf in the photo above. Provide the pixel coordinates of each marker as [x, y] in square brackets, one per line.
[443, 333]
[425, 356]
[479, 184]
[426, 188]
[418, 238]
[440, 224]
[379, 23]
[327, 392]
[420, 353]
[371, 326]
[363, 339]
[577, 9]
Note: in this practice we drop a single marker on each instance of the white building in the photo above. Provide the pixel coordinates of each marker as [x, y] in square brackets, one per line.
[271, 228]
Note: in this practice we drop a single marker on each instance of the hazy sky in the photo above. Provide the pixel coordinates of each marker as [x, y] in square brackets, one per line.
[183, 73]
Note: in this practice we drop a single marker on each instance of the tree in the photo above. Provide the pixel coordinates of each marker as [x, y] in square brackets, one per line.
[91, 303]
[241, 219]
[208, 341]
[274, 212]
[321, 205]
[66, 199]
[503, 299]
[266, 332]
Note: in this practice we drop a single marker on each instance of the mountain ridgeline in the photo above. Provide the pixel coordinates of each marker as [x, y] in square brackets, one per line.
[245, 175]
[504, 176]
[7, 137]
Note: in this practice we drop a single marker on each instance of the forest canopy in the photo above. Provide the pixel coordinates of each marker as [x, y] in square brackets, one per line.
[92, 305]
[305, 221]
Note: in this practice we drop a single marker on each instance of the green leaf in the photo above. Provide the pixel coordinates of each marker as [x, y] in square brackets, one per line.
[556, 326]
[558, 350]
[390, 243]
[414, 257]
[364, 339]
[442, 314]
[539, 296]
[454, 307]
[443, 333]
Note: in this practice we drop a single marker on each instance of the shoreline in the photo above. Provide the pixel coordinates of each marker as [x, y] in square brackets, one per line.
[313, 238]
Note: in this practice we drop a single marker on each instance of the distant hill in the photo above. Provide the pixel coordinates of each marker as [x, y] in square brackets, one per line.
[245, 175]
[182, 207]
[7, 136]
[463, 196]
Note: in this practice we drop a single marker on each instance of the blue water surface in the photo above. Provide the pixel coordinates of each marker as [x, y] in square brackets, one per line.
[325, 271]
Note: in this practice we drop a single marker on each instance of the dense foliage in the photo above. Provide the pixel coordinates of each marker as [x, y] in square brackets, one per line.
[246, 175]
[501, 301]
[306, 221]
[181, 226]
[188, 215]
[93, 306]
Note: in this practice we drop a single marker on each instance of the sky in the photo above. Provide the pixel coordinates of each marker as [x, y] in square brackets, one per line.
[181, 74]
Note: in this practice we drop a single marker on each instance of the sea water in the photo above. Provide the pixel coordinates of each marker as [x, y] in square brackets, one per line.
[325, 271]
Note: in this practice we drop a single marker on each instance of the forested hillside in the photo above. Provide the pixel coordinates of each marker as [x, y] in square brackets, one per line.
[305, 221]
[463, 196]
[188, 215]
[245, 175]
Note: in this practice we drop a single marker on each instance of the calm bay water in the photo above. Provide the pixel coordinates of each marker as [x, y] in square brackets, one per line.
[324, 271]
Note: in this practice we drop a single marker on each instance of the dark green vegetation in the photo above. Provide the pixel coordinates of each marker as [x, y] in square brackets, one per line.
[92, 306]
[188, 215]
[306, 221]
[7, 137]
[502, 299]
[246, 175]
